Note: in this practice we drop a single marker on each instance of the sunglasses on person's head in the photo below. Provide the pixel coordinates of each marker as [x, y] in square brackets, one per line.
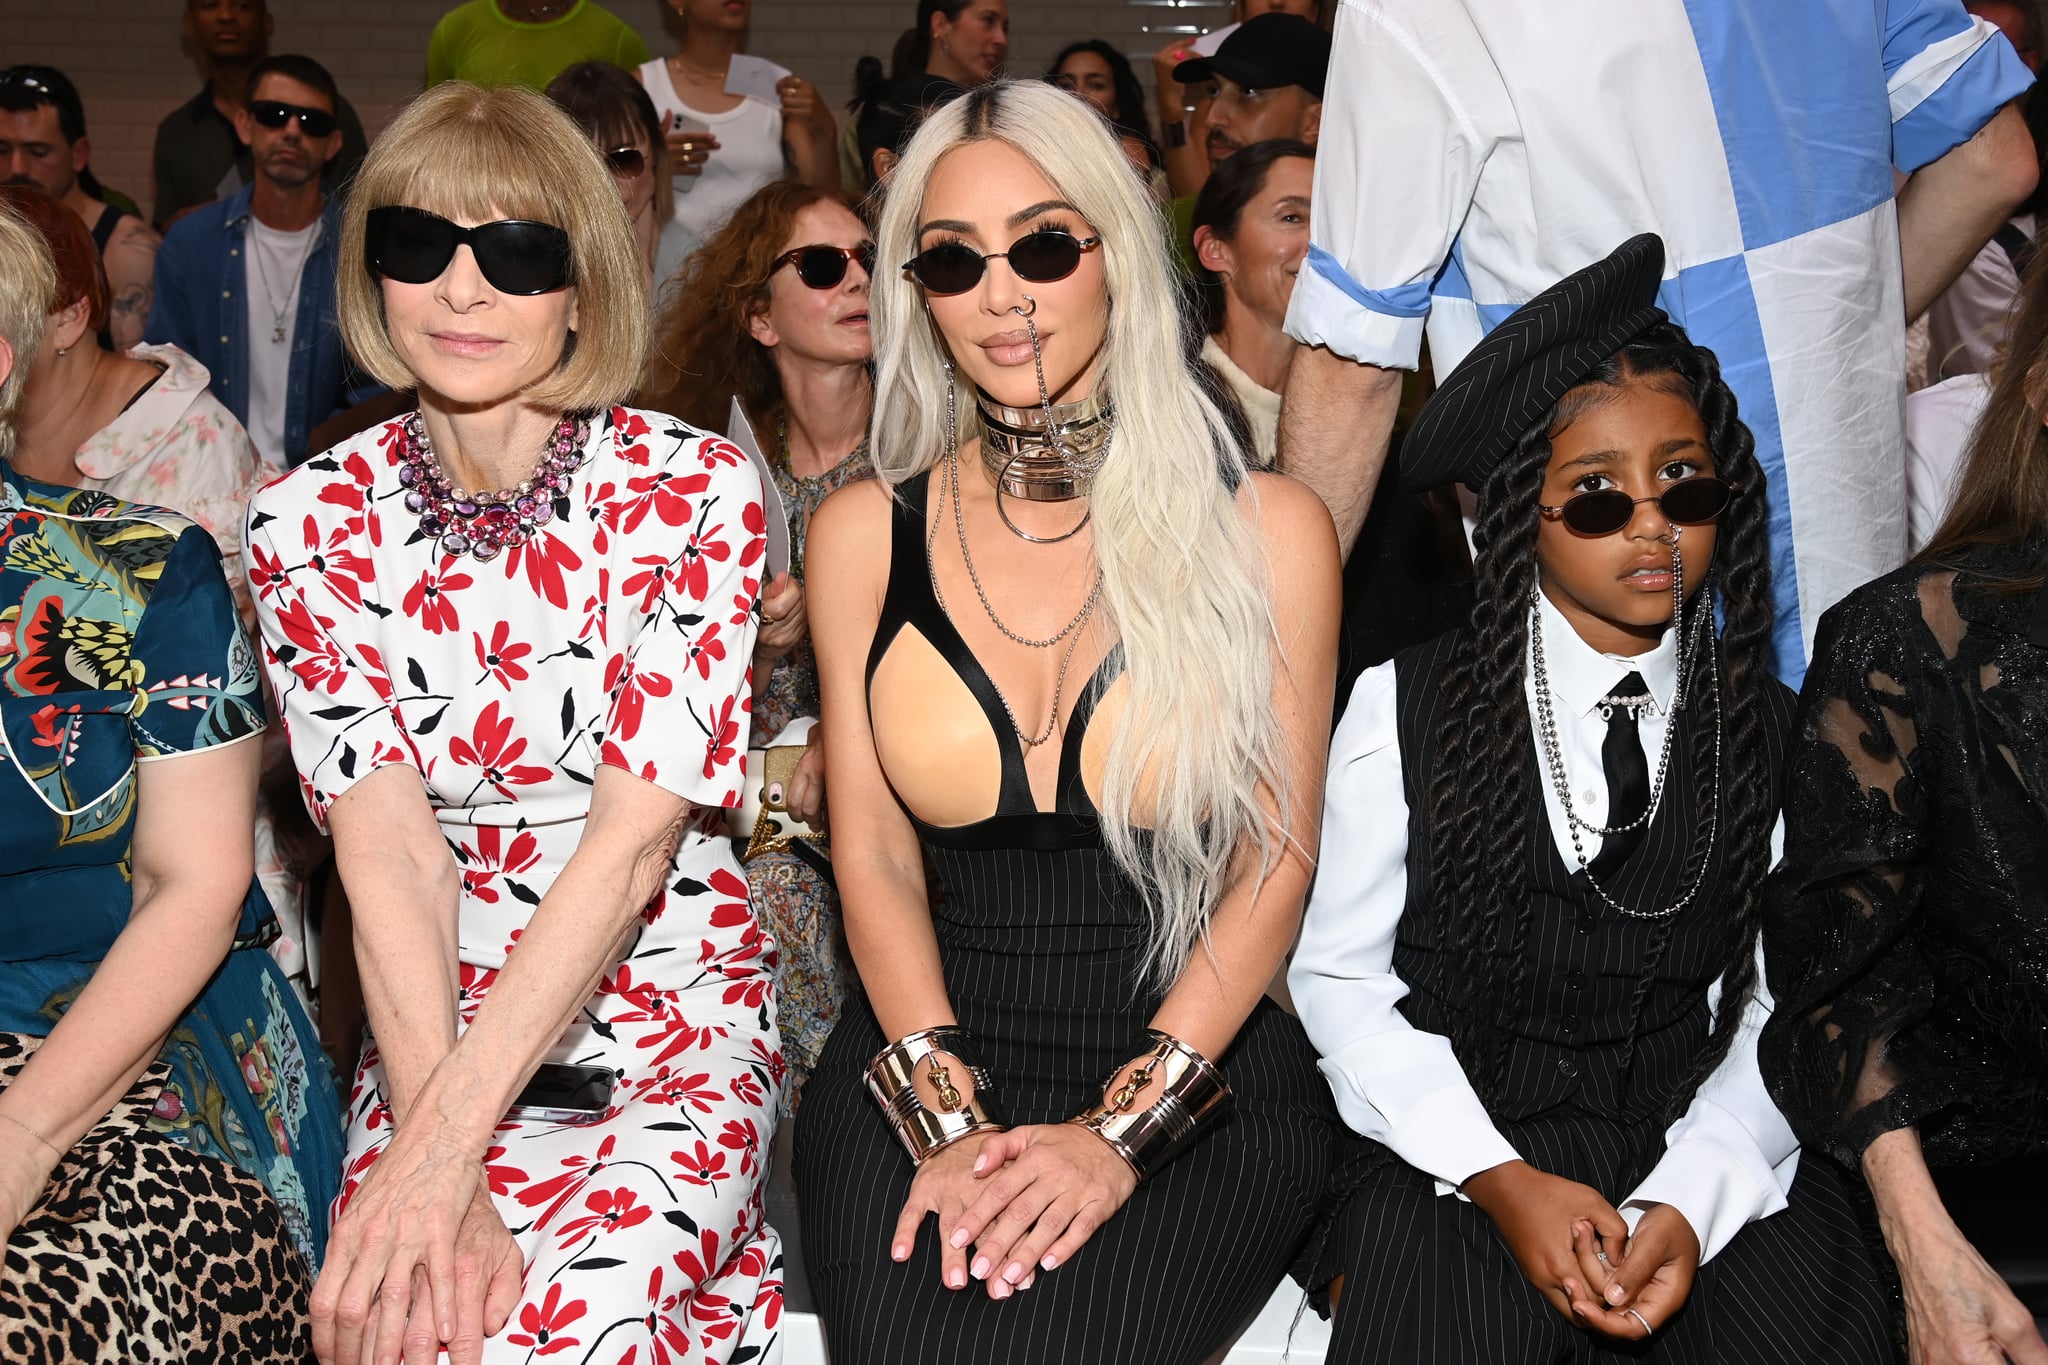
[18, 79]
[1037, 257]
[823, 267]
[276, 114]
[516, 255]
[1689, 502]
[626, 162]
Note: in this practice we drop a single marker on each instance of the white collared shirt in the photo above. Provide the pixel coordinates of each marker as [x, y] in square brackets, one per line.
[1729, 1159]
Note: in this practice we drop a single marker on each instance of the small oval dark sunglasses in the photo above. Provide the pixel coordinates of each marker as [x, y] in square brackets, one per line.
[1689, 502]
[276, 114]
[823, 267]
[1038, 257]
[516, 255]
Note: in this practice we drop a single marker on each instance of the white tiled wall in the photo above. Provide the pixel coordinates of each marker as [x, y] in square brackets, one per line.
[126, 58]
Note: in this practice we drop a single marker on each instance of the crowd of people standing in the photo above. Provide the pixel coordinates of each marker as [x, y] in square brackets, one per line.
[1027, 712]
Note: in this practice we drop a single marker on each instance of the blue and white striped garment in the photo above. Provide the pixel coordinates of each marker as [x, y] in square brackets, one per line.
[1473, 152]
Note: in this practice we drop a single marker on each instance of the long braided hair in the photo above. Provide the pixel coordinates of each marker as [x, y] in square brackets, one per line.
[1480, 791]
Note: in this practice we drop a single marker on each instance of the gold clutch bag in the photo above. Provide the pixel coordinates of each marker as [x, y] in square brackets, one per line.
[767, 825]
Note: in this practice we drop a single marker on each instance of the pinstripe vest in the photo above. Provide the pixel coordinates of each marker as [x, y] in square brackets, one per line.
[1583, 957]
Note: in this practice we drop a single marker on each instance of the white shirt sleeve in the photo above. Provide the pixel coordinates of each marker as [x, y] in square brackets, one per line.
[1414, 109]
[1730, 1158]
[1393, 1082]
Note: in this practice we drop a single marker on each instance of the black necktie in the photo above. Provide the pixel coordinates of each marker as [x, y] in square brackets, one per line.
[1628, 778]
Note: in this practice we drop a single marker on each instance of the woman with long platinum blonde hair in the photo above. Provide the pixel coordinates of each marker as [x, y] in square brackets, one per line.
[1087, 684]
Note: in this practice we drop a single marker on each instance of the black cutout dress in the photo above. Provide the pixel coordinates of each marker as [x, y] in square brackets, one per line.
[1041, 937]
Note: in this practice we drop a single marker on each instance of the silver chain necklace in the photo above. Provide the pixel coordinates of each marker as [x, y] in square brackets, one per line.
[1553, 750]
[1071, 632]
[277, 310]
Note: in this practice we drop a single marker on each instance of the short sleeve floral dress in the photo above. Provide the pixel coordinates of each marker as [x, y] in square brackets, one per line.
[618, 634]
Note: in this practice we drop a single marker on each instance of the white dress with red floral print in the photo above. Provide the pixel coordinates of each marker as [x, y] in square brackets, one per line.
[619, 635]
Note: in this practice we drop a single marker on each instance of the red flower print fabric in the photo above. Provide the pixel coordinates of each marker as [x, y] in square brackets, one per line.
[620, 635]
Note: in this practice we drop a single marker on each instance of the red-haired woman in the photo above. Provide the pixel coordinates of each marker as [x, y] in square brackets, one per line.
[774, 311]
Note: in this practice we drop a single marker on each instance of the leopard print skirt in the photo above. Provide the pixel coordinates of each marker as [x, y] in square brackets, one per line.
[143, 1250]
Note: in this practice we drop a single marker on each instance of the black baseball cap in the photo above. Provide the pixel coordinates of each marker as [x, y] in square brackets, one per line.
[1265, 53]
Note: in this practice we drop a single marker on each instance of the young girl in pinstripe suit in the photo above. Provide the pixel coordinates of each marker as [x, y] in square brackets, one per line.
[1530, 959]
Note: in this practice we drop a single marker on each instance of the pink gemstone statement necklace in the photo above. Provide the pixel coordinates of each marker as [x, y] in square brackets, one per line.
[481, 525]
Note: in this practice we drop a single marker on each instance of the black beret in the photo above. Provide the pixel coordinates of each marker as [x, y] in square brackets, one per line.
[1518, 371]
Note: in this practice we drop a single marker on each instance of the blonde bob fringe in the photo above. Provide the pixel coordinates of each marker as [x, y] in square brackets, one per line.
[1184, 582]
[465, 152]
[28, 290]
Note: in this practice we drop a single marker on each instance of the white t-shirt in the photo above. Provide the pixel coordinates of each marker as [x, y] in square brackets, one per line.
[749, 153]
[277, 262]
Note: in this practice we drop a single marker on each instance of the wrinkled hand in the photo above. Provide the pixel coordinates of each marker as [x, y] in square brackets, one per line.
[944, 1185]
[1958, 1310]
[688, 150]
[488, 1271]
[805, 796]
[1045, 1190]
[1534, 1213]
[406, 1216]
[1653, 1275]
[783, 622]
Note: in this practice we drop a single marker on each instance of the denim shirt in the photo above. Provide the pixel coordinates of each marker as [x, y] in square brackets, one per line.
[201, 308]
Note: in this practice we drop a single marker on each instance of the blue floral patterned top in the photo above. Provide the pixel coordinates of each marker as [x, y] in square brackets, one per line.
[120, 645]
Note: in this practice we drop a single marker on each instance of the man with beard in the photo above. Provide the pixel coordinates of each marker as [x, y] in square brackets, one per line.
[199, 157]
[246, 284]
[1264, 82]
[43, 143]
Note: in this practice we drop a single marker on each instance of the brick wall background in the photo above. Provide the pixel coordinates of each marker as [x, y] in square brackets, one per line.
[126, 58]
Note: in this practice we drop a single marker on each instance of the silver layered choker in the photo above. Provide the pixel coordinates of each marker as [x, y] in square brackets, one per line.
[1047, 453]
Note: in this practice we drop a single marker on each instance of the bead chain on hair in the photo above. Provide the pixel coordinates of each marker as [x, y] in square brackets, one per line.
[1554, 754]
[1071, 632]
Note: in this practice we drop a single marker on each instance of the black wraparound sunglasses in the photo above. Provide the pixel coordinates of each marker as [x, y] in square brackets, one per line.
[1689, 502]
[276, 114]
[516, 255]
[823, 267]
[1037, 257]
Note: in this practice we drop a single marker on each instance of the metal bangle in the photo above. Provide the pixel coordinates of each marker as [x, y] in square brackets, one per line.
[1191, 1095]
[892, 1080]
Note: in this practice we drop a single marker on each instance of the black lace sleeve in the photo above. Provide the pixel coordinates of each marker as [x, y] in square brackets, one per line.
[1903, 929]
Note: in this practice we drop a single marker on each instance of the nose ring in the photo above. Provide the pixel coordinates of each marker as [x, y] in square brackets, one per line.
[1024, 312]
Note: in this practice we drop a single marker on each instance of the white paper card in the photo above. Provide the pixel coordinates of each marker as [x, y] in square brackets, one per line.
[754, 78]
[740, 432]
[1207, 44]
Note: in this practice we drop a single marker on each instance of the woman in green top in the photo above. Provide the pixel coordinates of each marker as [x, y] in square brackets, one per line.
[527, 42]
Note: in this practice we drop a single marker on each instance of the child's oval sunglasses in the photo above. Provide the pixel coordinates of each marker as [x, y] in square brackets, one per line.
[1689, 502]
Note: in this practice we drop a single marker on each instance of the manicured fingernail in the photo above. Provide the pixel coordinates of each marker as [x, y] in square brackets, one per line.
[899, 1252]
[1014, 1272]
[1048, 1262]
[1615, 1293]
[956, 1279]
[1029, 1280]
[980, 1162]
[959, 1238]
[774, 793]
[980, 1268]
[1001, 1289]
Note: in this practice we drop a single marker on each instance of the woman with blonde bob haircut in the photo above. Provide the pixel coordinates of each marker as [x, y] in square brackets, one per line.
[1089, 681]
[509, 635]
